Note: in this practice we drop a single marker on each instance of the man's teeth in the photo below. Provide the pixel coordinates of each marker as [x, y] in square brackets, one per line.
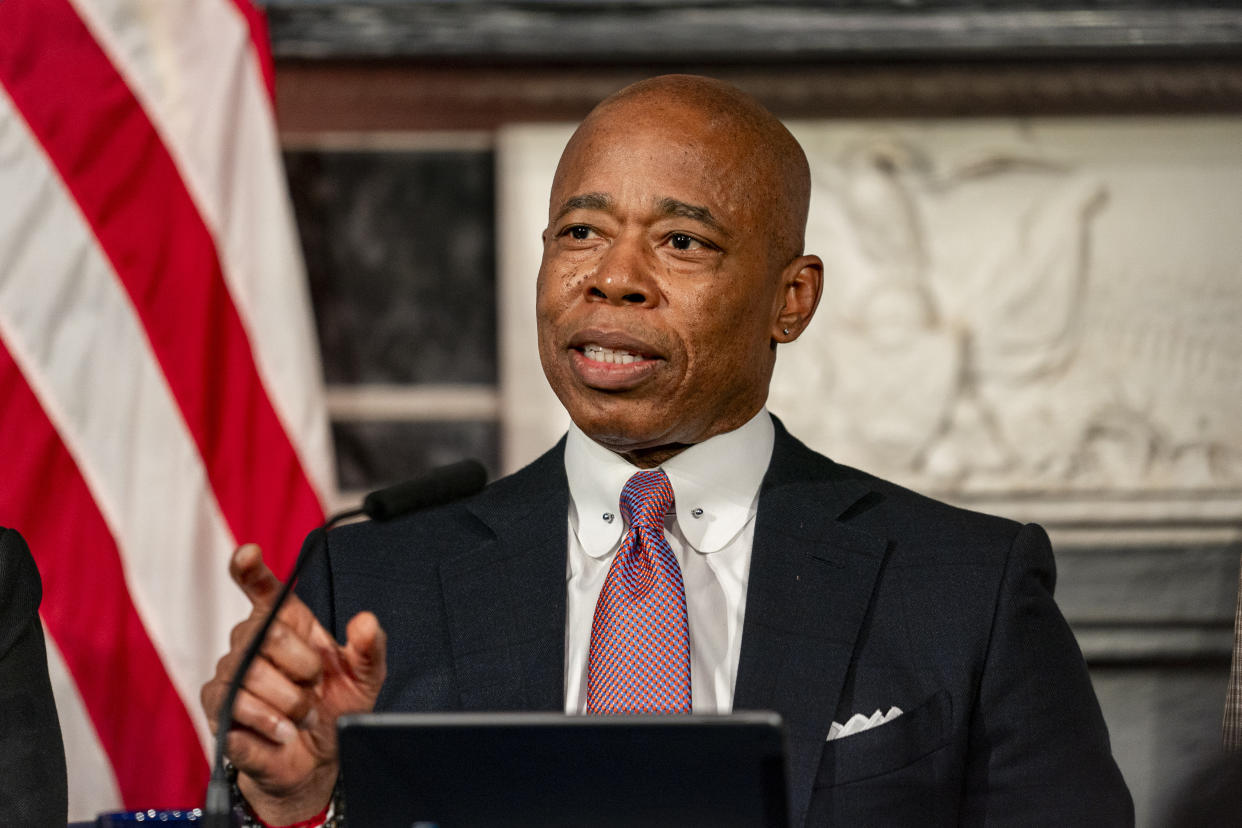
[599, 353]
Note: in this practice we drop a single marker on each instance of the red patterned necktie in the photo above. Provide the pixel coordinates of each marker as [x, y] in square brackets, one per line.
[639, 660]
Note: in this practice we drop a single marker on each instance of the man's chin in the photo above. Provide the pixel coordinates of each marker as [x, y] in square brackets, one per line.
[619, 427]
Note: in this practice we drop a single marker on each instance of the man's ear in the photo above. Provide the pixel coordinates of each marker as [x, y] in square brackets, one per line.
[802, 283]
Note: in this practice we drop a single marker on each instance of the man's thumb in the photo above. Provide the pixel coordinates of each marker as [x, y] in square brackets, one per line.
[366, 651]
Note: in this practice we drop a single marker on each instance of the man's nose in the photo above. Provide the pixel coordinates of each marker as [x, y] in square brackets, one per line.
[623, 276]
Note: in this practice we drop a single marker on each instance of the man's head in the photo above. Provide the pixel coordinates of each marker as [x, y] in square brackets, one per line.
[672, 265]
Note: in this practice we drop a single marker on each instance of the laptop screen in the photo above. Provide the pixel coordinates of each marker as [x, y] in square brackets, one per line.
[544, 769]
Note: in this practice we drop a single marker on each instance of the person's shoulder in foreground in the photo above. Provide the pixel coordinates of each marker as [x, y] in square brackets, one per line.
[32, 757]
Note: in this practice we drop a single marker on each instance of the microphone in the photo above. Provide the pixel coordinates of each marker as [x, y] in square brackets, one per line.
[444, 485]
[435, 488]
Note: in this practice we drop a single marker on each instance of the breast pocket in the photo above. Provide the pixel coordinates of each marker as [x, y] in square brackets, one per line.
[888, 747]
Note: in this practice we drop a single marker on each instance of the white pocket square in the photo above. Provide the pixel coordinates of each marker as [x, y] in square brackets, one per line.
[858, 722]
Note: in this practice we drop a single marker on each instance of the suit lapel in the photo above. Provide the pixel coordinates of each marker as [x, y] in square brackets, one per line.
[505, 598]
[811, 580]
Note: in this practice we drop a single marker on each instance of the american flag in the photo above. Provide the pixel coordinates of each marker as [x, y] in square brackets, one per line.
[160, 392]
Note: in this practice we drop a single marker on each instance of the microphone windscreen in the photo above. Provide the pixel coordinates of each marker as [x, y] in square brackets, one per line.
[437, 487]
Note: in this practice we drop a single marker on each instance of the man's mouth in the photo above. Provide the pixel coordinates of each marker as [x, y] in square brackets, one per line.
[611, 361]
[598, 353]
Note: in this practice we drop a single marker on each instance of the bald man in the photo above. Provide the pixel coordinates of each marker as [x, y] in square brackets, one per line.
[672, 271]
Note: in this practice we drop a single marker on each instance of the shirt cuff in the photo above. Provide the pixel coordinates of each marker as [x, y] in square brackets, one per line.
[331, 816]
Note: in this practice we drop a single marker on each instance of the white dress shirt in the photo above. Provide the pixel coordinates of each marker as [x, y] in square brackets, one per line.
[711, 530]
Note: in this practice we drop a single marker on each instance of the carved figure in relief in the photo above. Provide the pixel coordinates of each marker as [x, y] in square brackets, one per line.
[918, 354]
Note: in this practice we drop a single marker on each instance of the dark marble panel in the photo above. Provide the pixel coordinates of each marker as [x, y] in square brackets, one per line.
[370, 455]
[899, 6]
[590, 31]
[400, 252]
[1190, 584]
[1164, 722]
[1150, 603]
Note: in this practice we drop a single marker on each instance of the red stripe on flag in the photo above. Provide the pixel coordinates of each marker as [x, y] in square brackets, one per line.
[129, 189]
[141, 721]
[257, 21]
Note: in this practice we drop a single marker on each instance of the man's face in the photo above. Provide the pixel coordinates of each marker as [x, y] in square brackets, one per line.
[659, 288]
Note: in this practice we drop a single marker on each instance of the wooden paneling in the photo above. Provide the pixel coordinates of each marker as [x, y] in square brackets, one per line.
[335, 95]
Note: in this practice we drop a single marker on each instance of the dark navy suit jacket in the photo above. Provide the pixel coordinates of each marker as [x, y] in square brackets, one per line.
[862, 596]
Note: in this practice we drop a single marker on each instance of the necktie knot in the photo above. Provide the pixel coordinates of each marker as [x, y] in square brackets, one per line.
[646, 498]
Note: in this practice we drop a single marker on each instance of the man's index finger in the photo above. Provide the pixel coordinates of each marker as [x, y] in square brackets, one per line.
[250, 573]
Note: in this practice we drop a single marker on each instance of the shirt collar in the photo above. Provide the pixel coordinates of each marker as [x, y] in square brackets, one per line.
[720, 477]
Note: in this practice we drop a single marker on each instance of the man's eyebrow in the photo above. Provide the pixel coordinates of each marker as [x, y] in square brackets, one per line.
[665, 207]
[585, 201]
[673, 207]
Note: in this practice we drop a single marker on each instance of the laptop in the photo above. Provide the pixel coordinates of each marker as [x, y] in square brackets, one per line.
[462, 770]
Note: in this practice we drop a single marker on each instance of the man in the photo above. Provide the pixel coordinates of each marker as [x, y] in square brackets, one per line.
[672, 270]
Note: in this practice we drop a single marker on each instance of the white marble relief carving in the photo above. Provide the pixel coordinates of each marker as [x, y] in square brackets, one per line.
[1013, 309]
[993, 322]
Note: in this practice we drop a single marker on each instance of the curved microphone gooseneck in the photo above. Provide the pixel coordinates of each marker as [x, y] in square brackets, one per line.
[437, 487]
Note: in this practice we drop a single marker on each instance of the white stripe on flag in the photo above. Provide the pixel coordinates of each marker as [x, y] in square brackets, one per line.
[214, 116]
[73, 331]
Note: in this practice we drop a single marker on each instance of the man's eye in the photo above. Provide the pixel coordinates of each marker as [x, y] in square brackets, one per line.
[579, 232]
[680, 241]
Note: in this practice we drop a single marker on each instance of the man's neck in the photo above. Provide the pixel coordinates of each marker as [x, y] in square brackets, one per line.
[649, 457]
[652, 457]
